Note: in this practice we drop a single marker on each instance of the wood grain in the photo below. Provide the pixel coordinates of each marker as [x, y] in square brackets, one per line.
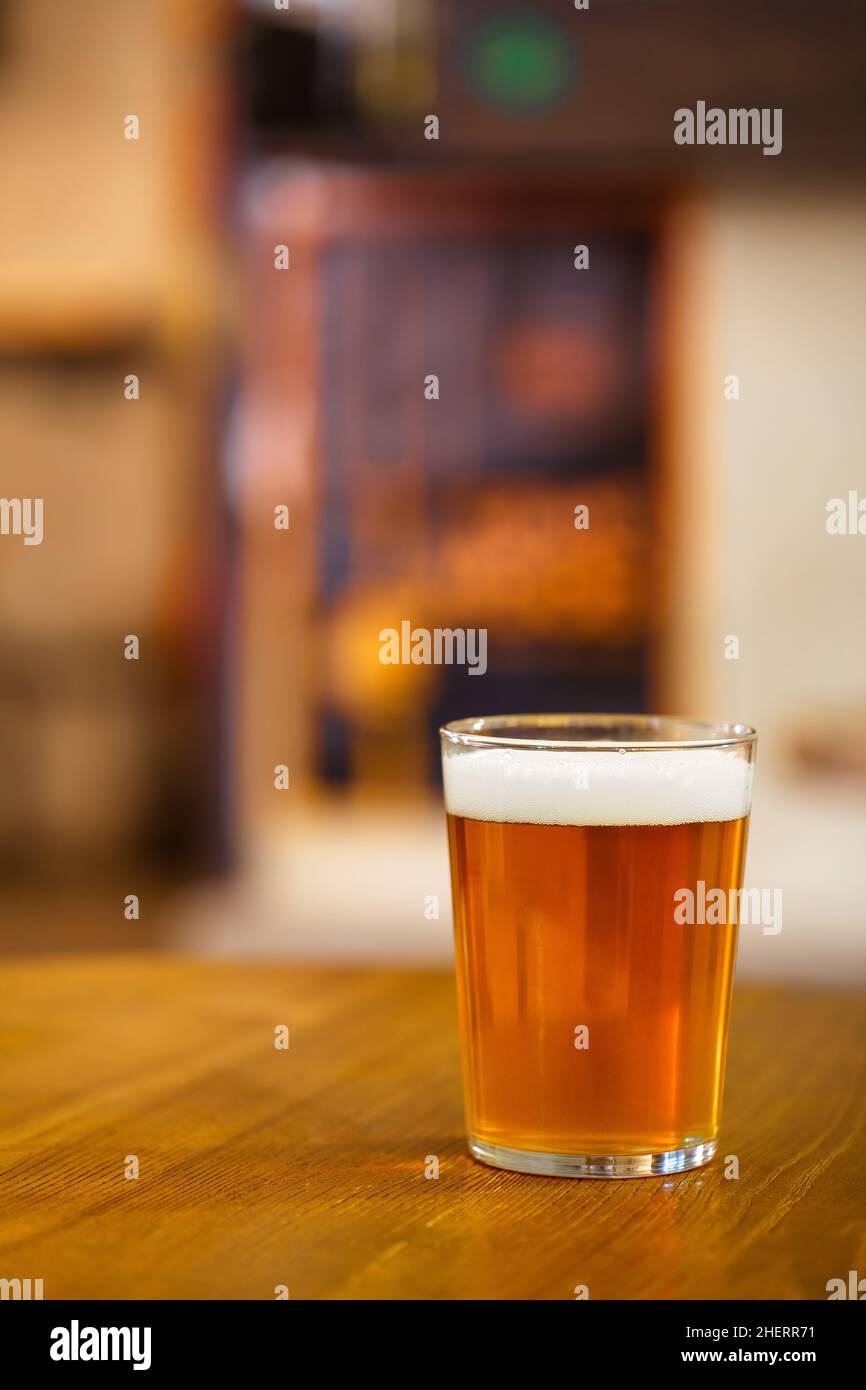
[305, 1167]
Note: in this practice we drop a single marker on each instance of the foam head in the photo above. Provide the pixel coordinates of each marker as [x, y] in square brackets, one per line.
[597, 787]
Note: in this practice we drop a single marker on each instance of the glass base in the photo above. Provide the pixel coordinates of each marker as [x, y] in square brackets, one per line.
[590, 1166]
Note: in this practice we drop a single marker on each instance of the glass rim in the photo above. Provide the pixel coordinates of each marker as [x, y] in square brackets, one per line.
[494, 731]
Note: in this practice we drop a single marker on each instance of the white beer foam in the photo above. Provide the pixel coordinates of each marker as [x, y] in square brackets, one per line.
[572, 787]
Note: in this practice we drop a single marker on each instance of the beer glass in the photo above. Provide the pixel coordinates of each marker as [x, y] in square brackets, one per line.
[594, 988]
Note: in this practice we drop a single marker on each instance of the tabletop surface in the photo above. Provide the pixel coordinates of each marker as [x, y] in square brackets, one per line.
[262, 1170]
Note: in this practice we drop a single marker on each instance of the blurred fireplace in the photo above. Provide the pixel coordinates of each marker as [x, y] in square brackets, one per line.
[456, 511]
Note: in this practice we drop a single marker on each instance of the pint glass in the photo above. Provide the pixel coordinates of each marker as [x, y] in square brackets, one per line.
[594, 986]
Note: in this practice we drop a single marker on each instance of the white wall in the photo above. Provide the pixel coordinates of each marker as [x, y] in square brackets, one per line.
[774, 290]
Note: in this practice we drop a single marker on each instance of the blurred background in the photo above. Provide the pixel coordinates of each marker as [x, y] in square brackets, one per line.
[231, 304]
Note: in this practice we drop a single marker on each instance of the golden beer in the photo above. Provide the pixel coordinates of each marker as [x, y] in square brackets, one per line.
[594, 1022]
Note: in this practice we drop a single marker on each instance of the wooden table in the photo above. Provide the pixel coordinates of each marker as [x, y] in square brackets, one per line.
[304, 1167]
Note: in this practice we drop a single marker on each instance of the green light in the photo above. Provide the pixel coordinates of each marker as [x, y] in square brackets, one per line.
[523, 64]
